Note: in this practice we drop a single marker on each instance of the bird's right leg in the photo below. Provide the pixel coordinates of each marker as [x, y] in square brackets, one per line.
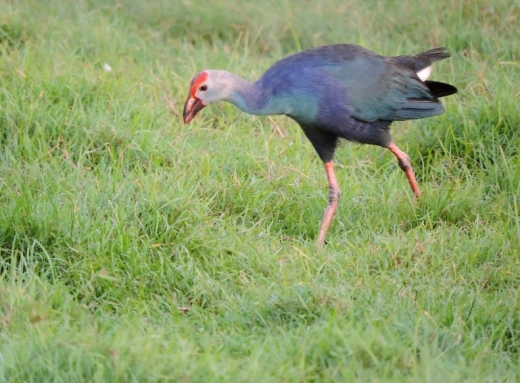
[332, 204]
[406, 166]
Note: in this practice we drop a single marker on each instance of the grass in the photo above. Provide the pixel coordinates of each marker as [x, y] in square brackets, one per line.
[136, 248]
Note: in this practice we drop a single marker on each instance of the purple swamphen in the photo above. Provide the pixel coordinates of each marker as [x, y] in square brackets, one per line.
[332, 92]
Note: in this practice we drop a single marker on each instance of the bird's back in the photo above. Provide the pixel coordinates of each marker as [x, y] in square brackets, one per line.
[367, 86]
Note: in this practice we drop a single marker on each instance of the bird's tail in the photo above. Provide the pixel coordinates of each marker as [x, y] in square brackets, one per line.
[433, 55]
[421, 63]
[440, 89]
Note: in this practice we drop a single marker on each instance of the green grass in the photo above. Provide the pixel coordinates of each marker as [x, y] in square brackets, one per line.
[135, 248]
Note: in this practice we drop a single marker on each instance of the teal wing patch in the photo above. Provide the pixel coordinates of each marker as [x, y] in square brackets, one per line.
[382, 89]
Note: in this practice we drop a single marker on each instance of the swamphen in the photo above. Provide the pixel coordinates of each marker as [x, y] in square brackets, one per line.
[332, 92]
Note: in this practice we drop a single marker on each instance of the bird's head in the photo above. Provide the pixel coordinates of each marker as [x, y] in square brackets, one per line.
[205, 88]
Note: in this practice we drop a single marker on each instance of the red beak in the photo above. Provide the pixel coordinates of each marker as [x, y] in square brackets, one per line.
[192, 106]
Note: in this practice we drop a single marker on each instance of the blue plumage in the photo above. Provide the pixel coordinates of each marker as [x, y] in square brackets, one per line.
[334, 91]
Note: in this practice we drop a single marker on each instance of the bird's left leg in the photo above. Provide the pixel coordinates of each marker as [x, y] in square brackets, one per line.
[406, 166]
[332, 204]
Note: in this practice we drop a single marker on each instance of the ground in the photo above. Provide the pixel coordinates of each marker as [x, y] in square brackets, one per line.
[136, 248]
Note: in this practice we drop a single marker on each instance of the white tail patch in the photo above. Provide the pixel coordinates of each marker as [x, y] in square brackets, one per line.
[423, 74]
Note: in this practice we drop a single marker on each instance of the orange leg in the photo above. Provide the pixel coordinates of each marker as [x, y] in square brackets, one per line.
[406, 166]
[333, 202]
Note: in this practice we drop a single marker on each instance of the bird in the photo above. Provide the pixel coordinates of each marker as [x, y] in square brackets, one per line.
[339, 91]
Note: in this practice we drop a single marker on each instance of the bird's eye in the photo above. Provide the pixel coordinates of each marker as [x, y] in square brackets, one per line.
[203, 88]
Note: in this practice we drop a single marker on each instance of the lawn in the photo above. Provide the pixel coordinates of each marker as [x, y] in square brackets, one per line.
[135, 248]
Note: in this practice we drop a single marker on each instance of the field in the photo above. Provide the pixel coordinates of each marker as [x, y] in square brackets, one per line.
[135, 248]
